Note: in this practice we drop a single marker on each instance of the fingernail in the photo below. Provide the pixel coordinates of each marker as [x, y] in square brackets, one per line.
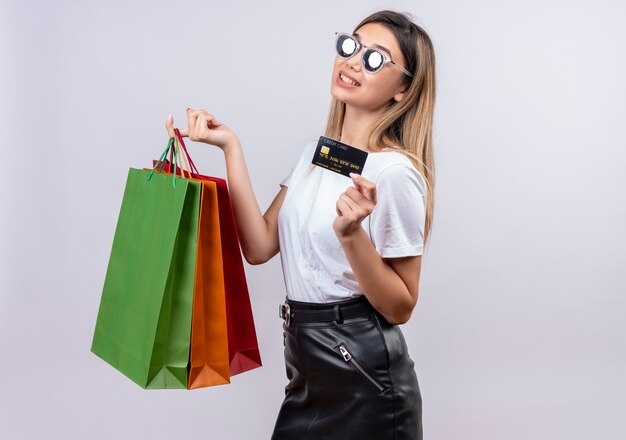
[353, 175]
[188, 108]
[170, 116]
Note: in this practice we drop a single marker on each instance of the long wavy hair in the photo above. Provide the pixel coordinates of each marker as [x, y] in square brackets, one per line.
[405, 126]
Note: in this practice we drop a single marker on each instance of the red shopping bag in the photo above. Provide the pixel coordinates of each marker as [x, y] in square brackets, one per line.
[242, 341]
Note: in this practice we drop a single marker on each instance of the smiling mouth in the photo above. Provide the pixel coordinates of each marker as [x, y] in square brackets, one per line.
[348, 80]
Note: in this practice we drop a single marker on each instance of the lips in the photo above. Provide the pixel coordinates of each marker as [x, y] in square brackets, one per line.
[341, 72]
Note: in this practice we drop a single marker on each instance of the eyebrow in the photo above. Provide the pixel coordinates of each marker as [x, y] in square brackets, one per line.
[375, 45]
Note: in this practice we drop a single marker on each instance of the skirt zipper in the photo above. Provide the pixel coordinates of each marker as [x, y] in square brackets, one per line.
[348, 358]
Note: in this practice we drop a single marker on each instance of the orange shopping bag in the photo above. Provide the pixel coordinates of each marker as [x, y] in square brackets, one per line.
[209, 360]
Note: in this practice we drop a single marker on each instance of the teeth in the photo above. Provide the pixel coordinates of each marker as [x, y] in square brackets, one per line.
[348, 80]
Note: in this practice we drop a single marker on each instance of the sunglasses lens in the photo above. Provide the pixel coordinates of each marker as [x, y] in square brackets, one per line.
[373, 60]
[346, 46]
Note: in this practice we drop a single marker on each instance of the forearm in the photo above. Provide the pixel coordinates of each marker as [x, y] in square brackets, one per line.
[382, 286]
[251, 224]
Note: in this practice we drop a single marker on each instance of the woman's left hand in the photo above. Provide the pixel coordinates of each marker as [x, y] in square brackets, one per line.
[353, 205]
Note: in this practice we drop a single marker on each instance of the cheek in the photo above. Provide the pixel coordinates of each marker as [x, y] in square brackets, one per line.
[376, 85]
[339, 62]
[383, 86]
[377, 92]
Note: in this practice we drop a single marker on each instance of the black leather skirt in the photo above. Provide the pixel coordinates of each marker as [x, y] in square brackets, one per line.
[350, 375]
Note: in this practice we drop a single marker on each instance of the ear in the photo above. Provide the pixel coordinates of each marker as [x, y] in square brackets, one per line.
[399, 96]
[401, 92]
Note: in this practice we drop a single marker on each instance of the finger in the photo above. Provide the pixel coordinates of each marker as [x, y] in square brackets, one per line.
[362, 181]
[169, 125]
[356, 211]
[343, 207]
[340, 207]
[354, 206]
[205, 125]
[364, 186]
[200, 127]
[367, 193]
[357, 196]
[200, 112]
[212, 121]
[192, 116]
[373, 195]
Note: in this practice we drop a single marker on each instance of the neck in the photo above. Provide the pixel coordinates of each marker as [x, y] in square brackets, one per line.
[356, 124]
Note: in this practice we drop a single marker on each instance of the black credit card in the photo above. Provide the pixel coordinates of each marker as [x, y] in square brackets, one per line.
[339, 157]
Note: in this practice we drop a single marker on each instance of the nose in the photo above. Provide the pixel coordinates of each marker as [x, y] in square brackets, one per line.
[354, 62]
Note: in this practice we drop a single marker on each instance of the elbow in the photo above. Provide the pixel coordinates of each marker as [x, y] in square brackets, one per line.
[261, 251]
[254, 259]
[401, 318]
[259, 257]
[403, 315]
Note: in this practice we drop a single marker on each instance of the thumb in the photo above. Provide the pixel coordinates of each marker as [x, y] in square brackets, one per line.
[363, 185]
[169, 124]
[356, 179]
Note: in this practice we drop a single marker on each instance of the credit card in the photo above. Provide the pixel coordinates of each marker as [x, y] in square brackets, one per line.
[339, 157]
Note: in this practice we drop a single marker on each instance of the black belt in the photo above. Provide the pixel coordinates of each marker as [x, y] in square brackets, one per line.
[298, 311]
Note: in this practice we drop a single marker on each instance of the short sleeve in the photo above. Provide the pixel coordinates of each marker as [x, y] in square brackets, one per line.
[398, 219]
[305, 155]
[286, 180]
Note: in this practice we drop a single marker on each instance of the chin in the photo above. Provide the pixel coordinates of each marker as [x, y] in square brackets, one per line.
[348, 102]
[335, 91]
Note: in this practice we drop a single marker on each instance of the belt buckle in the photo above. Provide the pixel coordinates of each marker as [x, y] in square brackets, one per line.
[284, 312]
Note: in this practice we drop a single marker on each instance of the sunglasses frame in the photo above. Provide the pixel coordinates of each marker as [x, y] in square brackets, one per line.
[386, 58]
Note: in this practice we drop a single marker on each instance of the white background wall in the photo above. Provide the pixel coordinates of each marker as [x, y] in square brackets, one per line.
[519, 330]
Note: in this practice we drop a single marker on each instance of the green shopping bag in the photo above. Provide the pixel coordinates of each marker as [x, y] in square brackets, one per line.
[144, 320]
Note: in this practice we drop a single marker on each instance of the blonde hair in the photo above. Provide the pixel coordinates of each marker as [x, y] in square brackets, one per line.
[407, 123]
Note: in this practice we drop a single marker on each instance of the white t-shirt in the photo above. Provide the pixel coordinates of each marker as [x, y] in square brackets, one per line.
[314, 264]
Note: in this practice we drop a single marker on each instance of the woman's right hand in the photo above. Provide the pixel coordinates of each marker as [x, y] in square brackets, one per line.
[258, 233]
[203, 127]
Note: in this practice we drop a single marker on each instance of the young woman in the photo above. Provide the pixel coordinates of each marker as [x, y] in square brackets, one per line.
[350, 247]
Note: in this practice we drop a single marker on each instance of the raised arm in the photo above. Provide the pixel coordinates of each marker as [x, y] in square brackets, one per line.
[258, 233]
